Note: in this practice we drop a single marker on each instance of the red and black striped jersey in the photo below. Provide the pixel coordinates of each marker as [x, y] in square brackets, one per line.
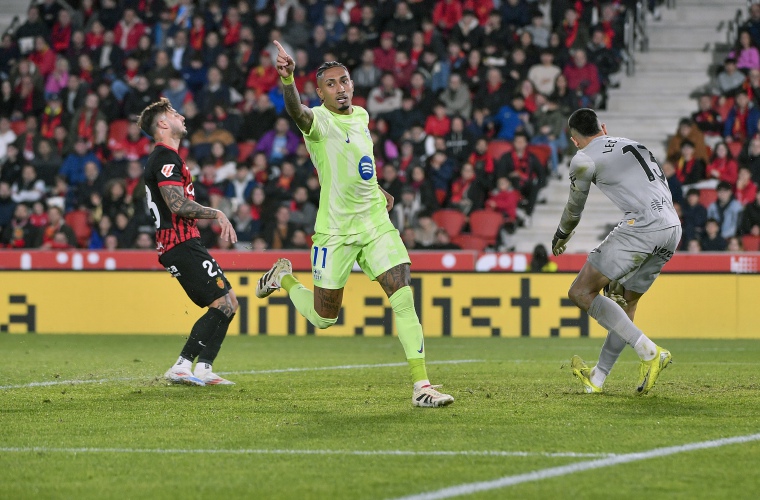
[165, 167]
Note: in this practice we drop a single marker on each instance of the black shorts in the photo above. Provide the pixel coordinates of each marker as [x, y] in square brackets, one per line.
[197, 272]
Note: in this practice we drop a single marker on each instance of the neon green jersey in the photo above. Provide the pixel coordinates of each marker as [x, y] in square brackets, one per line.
[340, 147]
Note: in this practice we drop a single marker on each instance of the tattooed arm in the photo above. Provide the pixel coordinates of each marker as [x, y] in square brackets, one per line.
[301, 114]
[175, 199]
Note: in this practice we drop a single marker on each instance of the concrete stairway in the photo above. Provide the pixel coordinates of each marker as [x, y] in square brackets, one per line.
[645, 108]
[9, 9]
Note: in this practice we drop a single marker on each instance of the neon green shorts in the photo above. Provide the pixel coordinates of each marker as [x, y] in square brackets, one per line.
[376, 251]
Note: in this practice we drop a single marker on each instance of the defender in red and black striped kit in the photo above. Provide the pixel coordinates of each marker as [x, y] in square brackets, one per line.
[171, 200]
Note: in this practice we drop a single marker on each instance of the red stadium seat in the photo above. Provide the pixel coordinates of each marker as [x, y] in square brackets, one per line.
[542, 152]
[451, 220]
[751, 243]
[707, 197]
[499, 148]
[735, 147]
[486, 224]
[79, 221]
[470, 242]
[358, 100]
[245, 149]
[118, 130]
[18, 127]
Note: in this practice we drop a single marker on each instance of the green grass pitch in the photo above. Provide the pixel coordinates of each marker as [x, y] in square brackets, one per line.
[295, 434]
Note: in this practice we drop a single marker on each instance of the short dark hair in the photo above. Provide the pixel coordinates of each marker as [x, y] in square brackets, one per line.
[147, 119]
[521, 134]
[585, 122]
[327, 65]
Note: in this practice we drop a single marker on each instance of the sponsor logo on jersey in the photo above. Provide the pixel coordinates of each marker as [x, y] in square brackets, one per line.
[366, 168]
[219, 282]
[348, 139]
[167, 170]
[317, 273]
[173, 270]
[366, 132]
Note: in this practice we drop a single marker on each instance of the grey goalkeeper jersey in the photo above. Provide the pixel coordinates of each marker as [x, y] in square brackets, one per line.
[628, 174]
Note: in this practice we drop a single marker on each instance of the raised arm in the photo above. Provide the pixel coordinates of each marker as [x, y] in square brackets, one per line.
[175, 199]
[301, 114]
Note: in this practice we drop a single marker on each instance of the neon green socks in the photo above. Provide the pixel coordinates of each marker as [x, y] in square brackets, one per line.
[303, 299]
[409, 332]
[407, 323]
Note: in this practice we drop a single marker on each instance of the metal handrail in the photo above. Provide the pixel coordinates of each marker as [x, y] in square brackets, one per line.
[13, 26]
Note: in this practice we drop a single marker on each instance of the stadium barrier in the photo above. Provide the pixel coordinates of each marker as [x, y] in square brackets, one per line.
[449, 304]
[461, 260]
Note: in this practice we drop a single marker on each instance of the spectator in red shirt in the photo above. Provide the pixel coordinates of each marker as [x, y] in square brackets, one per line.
[746, 190]
[231, 27]
[136, 145]
[504, 198]
[403, 70]
[481, 8]
[129, 30]
[723, 165]
[385, 54]
[60, 36]
[438, 124]
[197, 32]
[263, 77]
[447, 14]
[583, 78]
[93, 39]
[43, 57]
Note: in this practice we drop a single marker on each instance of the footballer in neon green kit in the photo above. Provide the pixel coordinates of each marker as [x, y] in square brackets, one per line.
[352, 220]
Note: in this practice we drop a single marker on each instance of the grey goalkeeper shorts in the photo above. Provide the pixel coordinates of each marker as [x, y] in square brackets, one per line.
[635, 258]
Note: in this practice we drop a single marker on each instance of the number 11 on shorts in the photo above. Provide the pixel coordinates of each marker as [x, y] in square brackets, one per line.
[316, 255]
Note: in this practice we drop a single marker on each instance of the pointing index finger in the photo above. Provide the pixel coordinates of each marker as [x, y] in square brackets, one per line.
[279, 47]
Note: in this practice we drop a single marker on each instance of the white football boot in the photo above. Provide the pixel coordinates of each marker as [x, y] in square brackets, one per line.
[270, 281]
[203, 372]
[428, 397]
[181, 375]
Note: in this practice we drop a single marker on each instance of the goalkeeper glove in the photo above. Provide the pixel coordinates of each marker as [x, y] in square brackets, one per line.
[559, 242]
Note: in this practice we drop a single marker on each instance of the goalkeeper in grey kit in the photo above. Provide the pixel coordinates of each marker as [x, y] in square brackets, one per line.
[628, 261]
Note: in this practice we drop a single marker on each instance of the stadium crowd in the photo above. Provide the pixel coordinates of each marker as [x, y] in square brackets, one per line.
[713, 159]
[468, 99]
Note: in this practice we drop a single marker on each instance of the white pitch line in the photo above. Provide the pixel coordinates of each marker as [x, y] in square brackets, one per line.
[250, 372]
[539, 475]
[348, 367]
[439, 453]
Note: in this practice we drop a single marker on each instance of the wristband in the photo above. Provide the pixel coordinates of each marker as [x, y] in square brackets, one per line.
[560, 235]
[287, 81]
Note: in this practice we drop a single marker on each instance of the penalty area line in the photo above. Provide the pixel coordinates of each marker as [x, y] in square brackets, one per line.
[541, 474]
[433, 453]
[248, 372]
